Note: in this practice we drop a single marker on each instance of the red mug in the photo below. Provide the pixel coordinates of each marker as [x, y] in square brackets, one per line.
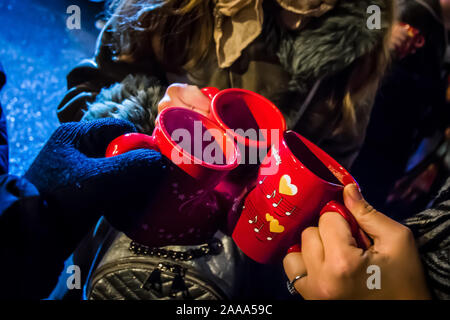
[255, 123]
[186, 210]
[239, 109]
[297, 183]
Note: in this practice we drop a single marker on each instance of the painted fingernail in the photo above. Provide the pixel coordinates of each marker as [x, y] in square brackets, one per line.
[355, 192]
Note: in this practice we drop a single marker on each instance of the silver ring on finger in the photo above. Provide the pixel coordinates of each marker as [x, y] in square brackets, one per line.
[291, 284]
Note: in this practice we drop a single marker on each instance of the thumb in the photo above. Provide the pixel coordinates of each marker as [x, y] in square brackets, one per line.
[374, 223]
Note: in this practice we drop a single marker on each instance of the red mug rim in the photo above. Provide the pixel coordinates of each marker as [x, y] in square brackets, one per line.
[245, 140]
[321, 154]
[229, 165]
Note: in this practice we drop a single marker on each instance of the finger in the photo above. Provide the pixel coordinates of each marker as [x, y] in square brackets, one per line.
[171, 100]
[185, 96]
[95, 136]
[294, 266]
[402, 35]
[171, 97]
[336, 235]
[312, 248]
[194, 97]
[374, 223]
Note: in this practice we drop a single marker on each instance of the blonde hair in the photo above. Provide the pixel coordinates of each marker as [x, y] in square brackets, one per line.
[178, 32]
[366, 75]
[364, 81]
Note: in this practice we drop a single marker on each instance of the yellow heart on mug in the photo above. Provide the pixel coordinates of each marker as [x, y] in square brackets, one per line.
[275, 226]
[287, 187]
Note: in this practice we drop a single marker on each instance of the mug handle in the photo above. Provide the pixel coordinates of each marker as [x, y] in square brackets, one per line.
[129, 142]
[334, 206]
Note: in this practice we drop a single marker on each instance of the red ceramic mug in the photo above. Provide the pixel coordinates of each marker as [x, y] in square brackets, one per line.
[186, 210]
[296, 184]
[239, 110]
[255, 123]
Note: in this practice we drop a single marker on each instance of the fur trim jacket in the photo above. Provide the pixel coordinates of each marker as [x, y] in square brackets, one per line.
[284, 66]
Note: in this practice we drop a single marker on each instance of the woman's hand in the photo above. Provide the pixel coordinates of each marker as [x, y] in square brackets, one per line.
[336, 268]
[186, 96]
[399, 37]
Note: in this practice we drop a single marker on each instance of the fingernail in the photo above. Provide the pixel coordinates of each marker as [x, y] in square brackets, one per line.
[355, 192]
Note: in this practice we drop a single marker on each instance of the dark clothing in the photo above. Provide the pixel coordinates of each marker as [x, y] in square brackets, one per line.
[2, 77]
[432, 232]
[410, 105]
[4, 151]
[32, 250]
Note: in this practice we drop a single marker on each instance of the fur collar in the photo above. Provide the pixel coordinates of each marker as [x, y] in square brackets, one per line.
[332, 42]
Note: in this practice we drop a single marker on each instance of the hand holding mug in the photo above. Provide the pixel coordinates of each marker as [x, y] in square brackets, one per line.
[406, 39]
[185, 96]
[333, 267]
[398, 37]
